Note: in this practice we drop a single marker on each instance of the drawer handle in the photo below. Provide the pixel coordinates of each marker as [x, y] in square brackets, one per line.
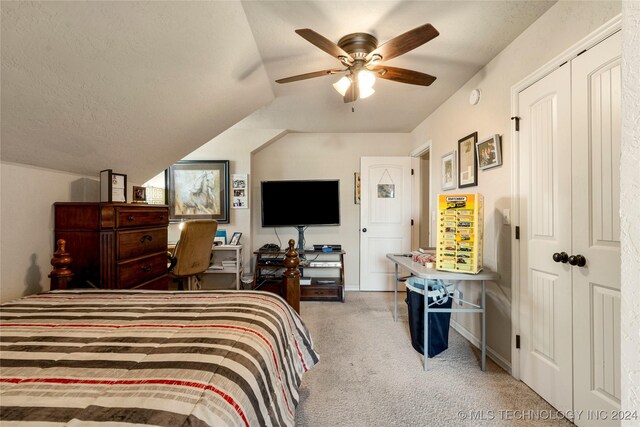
[145, 238]
[145, 268]
[161, 216]
[131, 218]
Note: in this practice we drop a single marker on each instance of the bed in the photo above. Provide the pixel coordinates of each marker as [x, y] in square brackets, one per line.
[205, 358]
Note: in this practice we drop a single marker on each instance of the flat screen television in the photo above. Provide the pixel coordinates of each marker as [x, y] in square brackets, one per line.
[300, 203]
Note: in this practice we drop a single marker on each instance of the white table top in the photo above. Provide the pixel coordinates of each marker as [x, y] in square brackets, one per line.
[419, 270]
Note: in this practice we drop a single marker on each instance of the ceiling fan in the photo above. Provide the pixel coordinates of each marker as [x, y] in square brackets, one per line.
[361, 55]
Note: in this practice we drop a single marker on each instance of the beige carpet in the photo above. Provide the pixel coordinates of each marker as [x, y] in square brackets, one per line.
[369, 375]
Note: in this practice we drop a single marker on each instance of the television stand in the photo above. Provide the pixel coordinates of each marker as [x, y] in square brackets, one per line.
[269, 269]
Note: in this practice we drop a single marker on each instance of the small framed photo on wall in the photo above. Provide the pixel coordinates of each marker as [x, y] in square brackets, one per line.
[240, 191]
[489, 152]
[467, 161]
[448, 171]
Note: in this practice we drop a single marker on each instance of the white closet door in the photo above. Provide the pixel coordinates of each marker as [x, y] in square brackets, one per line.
[545, 229]
[596, 100]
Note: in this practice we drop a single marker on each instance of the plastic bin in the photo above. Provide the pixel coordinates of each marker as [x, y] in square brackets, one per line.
[247, 281]
[438, 323]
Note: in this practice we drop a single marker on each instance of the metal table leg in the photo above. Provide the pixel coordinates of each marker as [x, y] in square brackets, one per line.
[484, 327]
[426, 326]
[395, 298]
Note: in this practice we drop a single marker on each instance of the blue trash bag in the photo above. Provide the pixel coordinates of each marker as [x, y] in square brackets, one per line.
[438, 325]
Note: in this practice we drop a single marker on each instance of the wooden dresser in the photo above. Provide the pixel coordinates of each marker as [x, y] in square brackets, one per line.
[115, 245]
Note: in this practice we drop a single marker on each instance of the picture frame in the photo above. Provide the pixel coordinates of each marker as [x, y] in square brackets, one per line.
[139, 194]
[489, 152]
[113, 186]
[198, 189]
[467, 161]
[240, 191]
[448, 172]
[235, 238]
[356, 188]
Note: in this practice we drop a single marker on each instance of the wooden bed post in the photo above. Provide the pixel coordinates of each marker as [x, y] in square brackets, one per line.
[292, 277]
[61, 275]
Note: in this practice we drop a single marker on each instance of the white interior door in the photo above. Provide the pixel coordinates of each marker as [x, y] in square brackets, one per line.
[385, 218]
[596, 93]
[545, 229]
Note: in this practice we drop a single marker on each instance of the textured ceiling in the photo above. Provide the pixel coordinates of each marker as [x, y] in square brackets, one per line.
[471, 34]
[131, 86]
[135, 86]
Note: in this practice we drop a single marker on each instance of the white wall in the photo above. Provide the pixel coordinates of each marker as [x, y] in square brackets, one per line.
[26, 223]
[322, 156]
[630, 209]
[560, 27]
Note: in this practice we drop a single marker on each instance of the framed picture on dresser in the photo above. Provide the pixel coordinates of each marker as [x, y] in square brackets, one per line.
[198, 189]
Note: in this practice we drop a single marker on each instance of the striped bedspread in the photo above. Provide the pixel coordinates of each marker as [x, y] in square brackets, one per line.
[206, 358]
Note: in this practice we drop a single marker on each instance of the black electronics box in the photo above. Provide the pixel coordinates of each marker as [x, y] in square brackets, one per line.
[327, 248]
[275, 261]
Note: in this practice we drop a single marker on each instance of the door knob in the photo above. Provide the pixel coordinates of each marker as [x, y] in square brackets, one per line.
[578, 260]
[364, 230]
[561, 257]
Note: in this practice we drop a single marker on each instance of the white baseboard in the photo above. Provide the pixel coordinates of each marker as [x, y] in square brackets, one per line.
[501, 361]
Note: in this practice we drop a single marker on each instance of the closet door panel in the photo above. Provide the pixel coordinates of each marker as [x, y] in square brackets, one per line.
[596, 101]
[545, 229]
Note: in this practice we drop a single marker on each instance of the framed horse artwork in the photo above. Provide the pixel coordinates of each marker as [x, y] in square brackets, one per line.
[198, 189]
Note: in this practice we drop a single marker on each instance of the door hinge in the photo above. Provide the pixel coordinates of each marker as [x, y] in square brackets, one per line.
[411, 171]
[517, 341]
[517, 232]
[411, 222]
[517, 119]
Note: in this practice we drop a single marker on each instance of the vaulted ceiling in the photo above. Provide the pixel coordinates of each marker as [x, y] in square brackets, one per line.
[471, 34]
[135, 86]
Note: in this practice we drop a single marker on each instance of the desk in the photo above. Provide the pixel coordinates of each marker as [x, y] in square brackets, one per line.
[227, 259]
[418, 270]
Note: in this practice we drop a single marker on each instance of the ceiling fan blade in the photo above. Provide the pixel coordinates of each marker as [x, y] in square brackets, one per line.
[402, 75]
[405, 42]
[308, 76]
[323, 43]
[353, 93]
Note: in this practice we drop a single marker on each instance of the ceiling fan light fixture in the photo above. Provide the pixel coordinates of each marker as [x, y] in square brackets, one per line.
[366, 92]
[366, 79]
[342, 85]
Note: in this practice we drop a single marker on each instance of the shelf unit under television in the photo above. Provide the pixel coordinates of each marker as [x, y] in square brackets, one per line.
[268, 274]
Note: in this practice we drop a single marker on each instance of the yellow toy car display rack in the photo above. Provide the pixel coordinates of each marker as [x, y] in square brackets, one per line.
[460, 232]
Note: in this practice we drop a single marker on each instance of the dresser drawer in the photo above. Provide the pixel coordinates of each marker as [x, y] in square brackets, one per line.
[159, 284]
[137, 243]
[141, 217]
[139, 270]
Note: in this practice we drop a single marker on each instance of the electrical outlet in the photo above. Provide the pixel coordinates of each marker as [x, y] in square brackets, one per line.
[460, 297]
